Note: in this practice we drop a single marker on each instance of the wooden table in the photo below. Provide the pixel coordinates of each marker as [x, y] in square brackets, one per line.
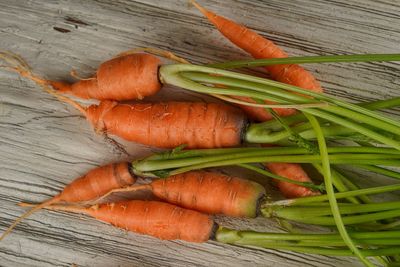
[44, 144]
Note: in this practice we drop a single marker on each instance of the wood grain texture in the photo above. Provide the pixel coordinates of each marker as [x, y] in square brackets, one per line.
[44, 144]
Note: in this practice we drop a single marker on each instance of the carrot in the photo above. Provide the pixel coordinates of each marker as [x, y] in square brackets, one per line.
[168, 125]
[293, 74]
[294, 172]
[164, 125]
[127, 77]
[259, 47]
[209, 192]
[92, 185]
[162, 220]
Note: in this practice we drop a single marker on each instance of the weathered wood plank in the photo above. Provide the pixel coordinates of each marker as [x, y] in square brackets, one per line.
[44, 144]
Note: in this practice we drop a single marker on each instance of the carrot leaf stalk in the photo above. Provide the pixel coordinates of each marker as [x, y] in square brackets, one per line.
[353, 117]
[274, 127]
[330, 191]
[320, 198]
[324, 244]
[305, 59]
[320, 213]
[205, 158]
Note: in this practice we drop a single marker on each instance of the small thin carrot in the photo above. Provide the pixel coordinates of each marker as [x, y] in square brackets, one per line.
[209, 192]
[162, 220]
[92, 185]
[260, 47]
[294, 172]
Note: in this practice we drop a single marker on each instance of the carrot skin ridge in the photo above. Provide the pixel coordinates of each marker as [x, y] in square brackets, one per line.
[211, 192]
[158, 219]
[194, 124]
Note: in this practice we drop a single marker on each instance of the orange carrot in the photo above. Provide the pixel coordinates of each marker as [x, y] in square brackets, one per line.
[168, 125]
[259, 47]
[164, 125]
[294, 172]
[158, 219]
[210, 192]
[293, 74]
[126, 77]
[93, 185]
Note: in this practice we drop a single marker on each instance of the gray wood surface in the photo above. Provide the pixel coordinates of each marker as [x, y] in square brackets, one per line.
[44, 144]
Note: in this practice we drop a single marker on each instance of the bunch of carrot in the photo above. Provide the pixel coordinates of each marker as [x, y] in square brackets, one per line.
[215, 127]
[215, 193]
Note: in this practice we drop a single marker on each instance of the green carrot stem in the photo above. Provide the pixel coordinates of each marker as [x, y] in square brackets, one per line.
[235, 87]
[343, 184]
[225, 234]
[335, 159]
[280, 178]
[359, 192]
[377, 123]
[183, 158]
[351, 185]
[242, 81]
[275, 133]
[345, 209]
[381, 104]
[305, 59]
[180, 166]
[200, 153]
[171, 74]
[348, 220]
[336, 252]
[380, 170]
[356, 127]
[387, 226]
[191, 157]
[337, 181]
[249, 238]
[338, 220]
[274, 125]
[254, 136]
[321, 243]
